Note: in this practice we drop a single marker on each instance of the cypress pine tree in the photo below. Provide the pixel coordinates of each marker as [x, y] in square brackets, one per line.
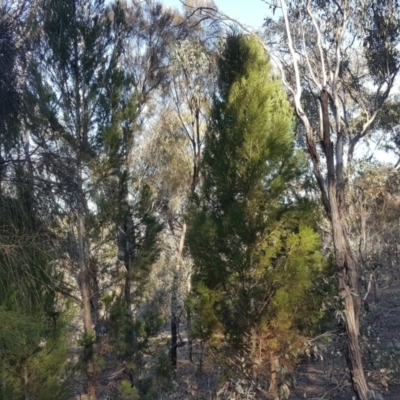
[253, 257]
[75, 84]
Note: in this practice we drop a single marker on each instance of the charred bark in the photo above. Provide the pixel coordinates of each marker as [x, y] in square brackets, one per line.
[350, 293]
[174, 341]
[349, 289]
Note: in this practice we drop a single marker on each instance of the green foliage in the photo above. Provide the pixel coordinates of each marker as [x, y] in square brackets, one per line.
[87, 343]
[10, 101]
[159, 376]
[382, 39]
[24, 258]
[19, 334]
[49, 371]
[127, 391]
[33, 357]
[33, 332]
[255, 259]
[202, 302]
[135, 334]
[138, 230]
[33, 324]
[78, 85]
[149, 325]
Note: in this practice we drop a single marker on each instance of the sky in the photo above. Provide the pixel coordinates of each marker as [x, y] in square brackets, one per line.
[248, 12]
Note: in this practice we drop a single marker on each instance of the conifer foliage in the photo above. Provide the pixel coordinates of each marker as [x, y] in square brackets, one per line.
[253, 258]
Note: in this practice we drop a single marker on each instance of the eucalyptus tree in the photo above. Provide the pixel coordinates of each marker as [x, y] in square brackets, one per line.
[146, 56]
[173, 154]
[146, 64]
[192, 71]
[339, 61]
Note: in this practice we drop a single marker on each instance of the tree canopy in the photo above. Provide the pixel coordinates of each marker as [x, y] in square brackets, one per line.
[173, 187]
[249, 238]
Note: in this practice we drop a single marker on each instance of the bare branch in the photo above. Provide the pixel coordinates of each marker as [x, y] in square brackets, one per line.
[319, 44]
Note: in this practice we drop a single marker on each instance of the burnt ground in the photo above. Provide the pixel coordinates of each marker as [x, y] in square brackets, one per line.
[329, 379]
[325, 376]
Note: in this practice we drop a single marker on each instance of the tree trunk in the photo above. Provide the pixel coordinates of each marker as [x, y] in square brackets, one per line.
[127, 295]
[174, 319]
[84, 278]
[87, 314]
[174, 331]
[26, 384]
[188, 328]
[81, 140]
[174, 302]
[350, 292]
[126, 248]
[273, 382]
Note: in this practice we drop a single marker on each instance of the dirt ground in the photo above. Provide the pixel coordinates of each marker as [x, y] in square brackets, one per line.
[329, 379]
[326, 377]
[323, 376]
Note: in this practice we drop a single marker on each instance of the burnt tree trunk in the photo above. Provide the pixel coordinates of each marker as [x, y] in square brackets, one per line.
[333, 197]
[174, 338]
[126, 244]
[350, 292]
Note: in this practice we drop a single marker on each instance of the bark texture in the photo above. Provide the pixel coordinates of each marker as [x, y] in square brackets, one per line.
[348, 276]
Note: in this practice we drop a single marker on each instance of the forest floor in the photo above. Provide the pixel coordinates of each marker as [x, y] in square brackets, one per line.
[329, 379]
[325, 376]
